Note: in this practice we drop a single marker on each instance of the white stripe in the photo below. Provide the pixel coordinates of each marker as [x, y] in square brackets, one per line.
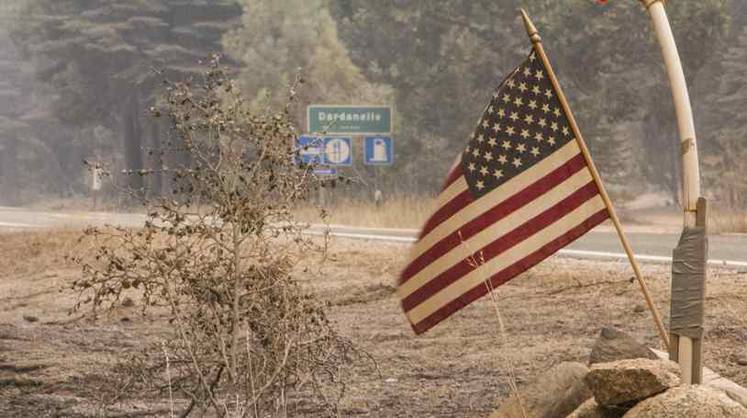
[457, 186]
[504, 260]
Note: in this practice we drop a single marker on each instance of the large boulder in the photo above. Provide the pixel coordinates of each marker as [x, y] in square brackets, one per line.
[591, 409]
[613, 345]
[625, 382]
[716, 381]
[688, 401]
[556, 393]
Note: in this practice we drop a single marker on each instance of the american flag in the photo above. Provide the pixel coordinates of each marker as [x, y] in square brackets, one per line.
[520, 191]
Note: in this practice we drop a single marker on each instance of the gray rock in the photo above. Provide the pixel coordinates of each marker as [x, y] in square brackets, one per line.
[613, 345]
[556, 393]
[625, 382]
[716, 381]
[591, 409]
[688, 401]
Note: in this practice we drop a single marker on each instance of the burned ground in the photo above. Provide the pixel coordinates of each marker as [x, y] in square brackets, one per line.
[56, 364]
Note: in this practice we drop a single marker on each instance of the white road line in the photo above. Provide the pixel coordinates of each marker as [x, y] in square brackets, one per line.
[19, 225]
[563, 252]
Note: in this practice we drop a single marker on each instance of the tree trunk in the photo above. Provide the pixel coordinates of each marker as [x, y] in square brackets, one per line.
[156, 159]
[131, 135]
[9, 172]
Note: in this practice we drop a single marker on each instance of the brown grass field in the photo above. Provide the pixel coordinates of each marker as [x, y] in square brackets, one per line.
[55, 364]
[411, 212]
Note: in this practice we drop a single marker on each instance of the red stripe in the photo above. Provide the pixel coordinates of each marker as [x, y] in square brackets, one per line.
[498, 212]
[454, 174]
[500, 245]
[447, 211]
[510, 272]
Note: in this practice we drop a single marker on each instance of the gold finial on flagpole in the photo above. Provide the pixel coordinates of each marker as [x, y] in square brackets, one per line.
[531, 29]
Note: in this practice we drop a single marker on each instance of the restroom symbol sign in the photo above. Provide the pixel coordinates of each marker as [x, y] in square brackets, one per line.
[378, 150]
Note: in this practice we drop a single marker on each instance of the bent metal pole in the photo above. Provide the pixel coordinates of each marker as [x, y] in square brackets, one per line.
[682, 348]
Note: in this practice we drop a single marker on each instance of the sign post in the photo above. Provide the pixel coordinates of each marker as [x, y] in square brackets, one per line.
[348, 122]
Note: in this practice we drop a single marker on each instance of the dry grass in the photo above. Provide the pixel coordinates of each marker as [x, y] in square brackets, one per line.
[411, 212]
[26, 253]
[727, 220]
[396, 212]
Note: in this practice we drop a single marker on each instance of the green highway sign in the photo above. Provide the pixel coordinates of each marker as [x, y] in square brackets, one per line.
[349, 120]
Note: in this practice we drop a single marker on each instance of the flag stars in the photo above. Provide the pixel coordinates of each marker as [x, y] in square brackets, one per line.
[532, 57]
[533, 104]
[480, 184]
[525, 133]
[536, 89]
[514, 116]
[485, 124]
[546, 108]
[523, 87]
[529, 119]
[471, 167]
[527, 72]
[491, 110]
[518, 101]
[521, 148]
[566, 132]
[535, 151]
[511, 83]
[476, 152]
[481, 138]
[497, 174]
[548, 93]
[483, 171]
[506, 145]
[539, 74]
[502, 112]
[510, 130]
[502, 159]
[516, 162]
[551, 141]
[539, 137]
[554, 126]
[506, 98]
[488, 156]
[556, 112]
[492, 141]
[496, 127]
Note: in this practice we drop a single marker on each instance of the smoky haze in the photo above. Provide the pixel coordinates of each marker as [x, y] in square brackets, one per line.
[78, 80]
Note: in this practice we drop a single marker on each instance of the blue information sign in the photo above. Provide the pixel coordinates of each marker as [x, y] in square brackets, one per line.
[378, 150]
[338, 151]
[310, 149]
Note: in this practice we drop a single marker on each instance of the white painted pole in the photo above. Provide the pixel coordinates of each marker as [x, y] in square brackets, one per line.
[688, 146]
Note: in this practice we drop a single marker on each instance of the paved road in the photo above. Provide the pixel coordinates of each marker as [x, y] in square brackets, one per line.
[602, 242]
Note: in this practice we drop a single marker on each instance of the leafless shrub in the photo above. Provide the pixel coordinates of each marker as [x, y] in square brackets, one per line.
[217, 258]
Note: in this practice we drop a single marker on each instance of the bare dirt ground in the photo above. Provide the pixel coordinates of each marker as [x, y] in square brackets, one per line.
[55, 364]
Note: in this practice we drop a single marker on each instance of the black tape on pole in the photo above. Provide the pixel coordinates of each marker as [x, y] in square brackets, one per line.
[688, 283]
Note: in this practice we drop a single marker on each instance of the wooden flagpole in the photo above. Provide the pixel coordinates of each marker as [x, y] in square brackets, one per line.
[537, 43]
[685, 350]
